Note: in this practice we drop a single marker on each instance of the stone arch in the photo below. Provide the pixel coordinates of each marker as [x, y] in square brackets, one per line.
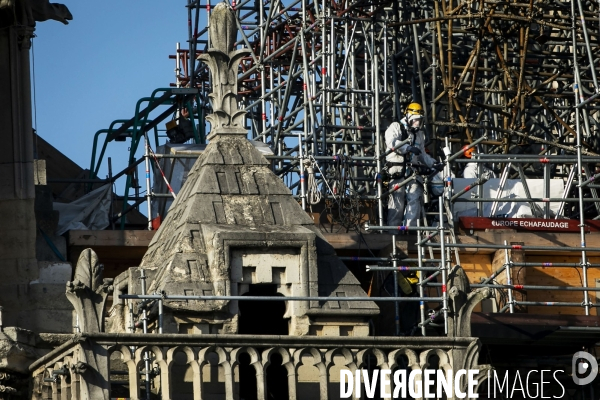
[411, 355]
[122, 368]
[223, 356]
[68, 377]
[309, 382]
[381, 363]
[184, 372]
[444, 358]
[482, 377]
[58, 386]
[443, 362]
[287, 372]
[156, 357]
[412, 362]
[216, 372]
[47, 384]
[336, 360]
[381, 357]
[285, 355]
[246, 371]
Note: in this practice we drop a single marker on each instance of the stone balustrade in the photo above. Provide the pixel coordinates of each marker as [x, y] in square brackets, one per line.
[179, 366]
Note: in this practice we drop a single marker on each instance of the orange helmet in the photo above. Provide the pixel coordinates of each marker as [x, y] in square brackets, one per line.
[469, 152]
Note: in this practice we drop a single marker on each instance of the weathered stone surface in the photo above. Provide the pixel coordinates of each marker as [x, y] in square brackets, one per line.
[39, 172]
[17, 350]
[54, 272]
[20, 347]
[87, 292]
[47, 320]
[17, 236]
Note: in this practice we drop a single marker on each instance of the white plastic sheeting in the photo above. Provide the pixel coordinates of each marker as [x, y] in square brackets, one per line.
[175, 170]
[264, 148]
[513, 188]
[89, 212]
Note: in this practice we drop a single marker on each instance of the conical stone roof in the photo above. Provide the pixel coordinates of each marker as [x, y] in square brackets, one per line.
[232, 200]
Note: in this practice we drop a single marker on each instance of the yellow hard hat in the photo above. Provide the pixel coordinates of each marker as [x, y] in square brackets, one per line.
[414, 109]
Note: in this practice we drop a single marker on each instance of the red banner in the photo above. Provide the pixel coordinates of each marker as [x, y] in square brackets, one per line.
[527, 224]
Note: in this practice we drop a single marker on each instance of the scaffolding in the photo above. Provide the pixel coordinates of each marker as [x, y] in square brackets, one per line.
[325, 79]
[515, 81]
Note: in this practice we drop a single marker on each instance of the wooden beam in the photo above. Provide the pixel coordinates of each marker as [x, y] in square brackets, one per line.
[126, 238]
[347, 241]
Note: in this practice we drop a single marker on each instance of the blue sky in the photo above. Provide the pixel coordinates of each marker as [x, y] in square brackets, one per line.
[94, 70]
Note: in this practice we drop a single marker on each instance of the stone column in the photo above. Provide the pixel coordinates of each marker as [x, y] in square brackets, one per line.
[18, 232]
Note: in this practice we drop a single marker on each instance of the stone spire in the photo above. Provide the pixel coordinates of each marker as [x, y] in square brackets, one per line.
[235, 224]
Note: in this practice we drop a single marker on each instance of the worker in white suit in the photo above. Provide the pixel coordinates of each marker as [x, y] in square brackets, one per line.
[471, 170]
[405, 204]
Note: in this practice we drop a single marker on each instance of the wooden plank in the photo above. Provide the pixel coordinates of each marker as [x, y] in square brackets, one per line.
[127, 238]
[476, 266]
[373, 241]
[563, 276]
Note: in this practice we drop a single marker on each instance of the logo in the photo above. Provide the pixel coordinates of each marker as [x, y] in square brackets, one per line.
[584, 363]
[427, 383]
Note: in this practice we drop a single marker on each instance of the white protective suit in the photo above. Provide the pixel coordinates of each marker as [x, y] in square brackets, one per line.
[470, 171]
[413, 192]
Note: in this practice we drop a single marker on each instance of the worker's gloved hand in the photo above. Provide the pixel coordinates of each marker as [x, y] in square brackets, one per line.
[414, 150]
[438, 166]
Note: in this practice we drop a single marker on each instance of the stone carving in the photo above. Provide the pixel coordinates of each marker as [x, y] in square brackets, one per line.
[462, 302]
[79, 368]
[43, 10]
[88, 291]
[223, 61]
[30, 11]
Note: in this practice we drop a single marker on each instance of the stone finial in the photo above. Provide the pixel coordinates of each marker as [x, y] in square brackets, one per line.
[223, 60]
[222, 29]
[88, 291]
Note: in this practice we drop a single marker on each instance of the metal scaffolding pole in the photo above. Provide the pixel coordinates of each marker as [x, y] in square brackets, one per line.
[395, 272]
[421, 288]
[578, 94]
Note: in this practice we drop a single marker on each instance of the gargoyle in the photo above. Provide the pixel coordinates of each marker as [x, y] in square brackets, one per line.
[31, 11]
